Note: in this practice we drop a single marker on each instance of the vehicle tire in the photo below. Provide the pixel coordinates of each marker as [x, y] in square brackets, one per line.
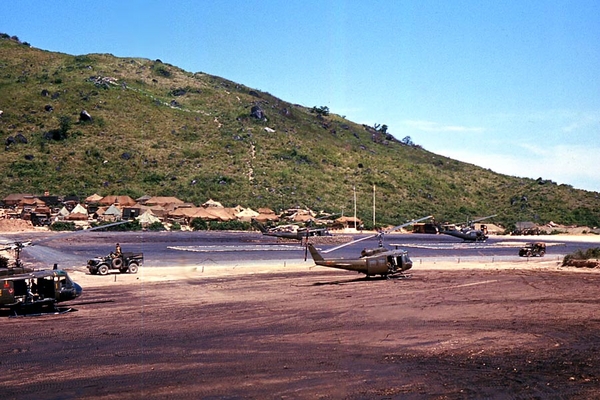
[117, 263]
[133, 268]
[103, 270]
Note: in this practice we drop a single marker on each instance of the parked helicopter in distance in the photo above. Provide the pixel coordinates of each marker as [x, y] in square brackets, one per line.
[468, 233]
[376, 261]
[290, 231]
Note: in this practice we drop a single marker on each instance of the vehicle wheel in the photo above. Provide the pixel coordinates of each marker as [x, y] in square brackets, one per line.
[117, 263]
[103, 270]
[133, 268]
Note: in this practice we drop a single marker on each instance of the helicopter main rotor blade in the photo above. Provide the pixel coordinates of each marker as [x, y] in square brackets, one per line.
[349, 243]
[378, 234]
[481, 219]
[414, 221]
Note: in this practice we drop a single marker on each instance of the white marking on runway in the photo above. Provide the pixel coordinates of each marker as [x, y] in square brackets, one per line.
[258, 247]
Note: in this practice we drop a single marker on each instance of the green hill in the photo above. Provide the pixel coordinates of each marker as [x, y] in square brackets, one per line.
[156, 129]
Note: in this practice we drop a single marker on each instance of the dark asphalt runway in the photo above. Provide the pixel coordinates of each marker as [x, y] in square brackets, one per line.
[196, 248]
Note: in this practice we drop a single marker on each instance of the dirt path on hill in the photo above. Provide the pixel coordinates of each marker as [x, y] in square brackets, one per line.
[495, 331]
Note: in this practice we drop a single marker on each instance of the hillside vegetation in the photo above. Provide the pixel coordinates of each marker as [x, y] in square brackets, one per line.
[156, 129]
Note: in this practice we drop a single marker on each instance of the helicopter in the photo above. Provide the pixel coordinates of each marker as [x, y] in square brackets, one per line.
[468, 233]
[291, 231]
[377, 261]
[23, 290]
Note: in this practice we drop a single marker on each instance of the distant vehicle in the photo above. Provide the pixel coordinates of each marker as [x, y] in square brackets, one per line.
[376, 261]
[291, 231]
[468, 233]
[127, 262]
[535, 249]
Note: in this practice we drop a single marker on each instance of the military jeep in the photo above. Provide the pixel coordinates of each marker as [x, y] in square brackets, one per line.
[125, 263]
[536, 249]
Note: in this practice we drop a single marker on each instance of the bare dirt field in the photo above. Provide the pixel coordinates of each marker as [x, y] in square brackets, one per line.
[528, 330]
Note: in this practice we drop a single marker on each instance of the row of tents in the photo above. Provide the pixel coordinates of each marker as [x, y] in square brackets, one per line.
[148, 209]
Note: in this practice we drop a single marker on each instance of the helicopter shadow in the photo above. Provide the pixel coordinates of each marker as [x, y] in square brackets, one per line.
[347, 281]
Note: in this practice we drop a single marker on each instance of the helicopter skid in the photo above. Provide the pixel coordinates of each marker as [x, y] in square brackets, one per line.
[39, 311]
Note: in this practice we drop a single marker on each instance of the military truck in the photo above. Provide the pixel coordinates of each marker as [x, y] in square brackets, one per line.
[125, 263]
[535, 249]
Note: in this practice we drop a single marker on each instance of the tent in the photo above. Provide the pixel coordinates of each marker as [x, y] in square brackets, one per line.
[76, 216]
[79, 209]
[112, 213]
[120, 200]
[147, 218]
[212, 203]
[246, 215]
[162, 201]
[266, 215]
[93, 198]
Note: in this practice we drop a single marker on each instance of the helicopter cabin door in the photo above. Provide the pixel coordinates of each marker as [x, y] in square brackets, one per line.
[377, 266]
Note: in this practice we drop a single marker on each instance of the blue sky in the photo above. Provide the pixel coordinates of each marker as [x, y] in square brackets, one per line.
[512, 86]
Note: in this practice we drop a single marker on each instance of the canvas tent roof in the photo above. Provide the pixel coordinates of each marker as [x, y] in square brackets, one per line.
[143, 199]
[15, 198]
[163, 200]
[112, 210]
[79, 209]
[120, 200]
[147, 218]
[212, 203]
[26, 201]
[346, 220]
[93, 198]
[246, 215]
[76, 216]
[184, 212]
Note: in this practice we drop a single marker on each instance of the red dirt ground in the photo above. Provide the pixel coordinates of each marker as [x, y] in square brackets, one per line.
[445, 333]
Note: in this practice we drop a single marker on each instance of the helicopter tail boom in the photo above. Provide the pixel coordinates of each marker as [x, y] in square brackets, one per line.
[316, 256]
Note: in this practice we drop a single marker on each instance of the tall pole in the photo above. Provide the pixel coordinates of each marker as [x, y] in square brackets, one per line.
[373, 206]
[354, 191]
